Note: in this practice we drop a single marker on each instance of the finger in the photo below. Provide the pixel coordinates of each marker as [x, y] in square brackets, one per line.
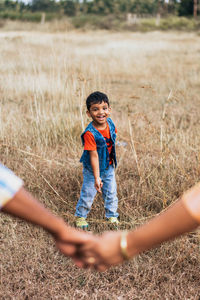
[88, 249]
[98, 189]
[88, 257]
[67, 249]
[101, 267]
[83, 262]
[79, 263]
[82, 265]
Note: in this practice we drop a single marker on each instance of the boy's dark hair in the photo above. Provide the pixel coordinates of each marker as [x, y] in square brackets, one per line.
[96, 97]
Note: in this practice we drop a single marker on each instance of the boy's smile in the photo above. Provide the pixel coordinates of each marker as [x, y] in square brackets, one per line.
[99, 112]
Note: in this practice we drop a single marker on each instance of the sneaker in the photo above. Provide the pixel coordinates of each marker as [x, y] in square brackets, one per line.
[81, 223]
[113, 220]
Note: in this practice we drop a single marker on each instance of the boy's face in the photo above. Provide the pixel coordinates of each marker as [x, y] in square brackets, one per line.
[99, 112]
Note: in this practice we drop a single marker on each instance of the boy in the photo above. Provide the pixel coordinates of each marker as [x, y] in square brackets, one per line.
[98, 159]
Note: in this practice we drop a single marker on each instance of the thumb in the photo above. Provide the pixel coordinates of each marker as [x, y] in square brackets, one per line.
[66, 249]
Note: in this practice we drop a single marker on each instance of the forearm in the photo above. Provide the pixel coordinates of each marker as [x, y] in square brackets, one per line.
[169, 224]
[25, 206]
[94, 160]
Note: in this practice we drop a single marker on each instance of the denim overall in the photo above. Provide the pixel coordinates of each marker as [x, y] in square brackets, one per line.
[107, 174]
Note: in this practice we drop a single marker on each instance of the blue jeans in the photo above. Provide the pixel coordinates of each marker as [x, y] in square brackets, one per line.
[88, 192]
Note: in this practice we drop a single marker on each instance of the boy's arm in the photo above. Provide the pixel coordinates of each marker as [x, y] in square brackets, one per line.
[90, 145]
[94, 160]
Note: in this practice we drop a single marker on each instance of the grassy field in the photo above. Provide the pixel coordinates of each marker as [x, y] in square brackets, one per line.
[153, 82]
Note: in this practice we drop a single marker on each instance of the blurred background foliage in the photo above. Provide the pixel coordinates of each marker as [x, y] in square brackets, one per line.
[107, 14]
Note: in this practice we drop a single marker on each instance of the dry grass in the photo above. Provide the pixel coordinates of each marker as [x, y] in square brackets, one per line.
[153, 84]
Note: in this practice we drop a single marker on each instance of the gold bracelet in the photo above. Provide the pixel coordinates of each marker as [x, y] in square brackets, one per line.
[123, 245]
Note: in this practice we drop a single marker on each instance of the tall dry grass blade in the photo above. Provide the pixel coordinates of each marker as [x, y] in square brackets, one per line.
[32, 154]
[133, 148]
[162, 124]
[151, 173]
[165, 105]
[120, 160]
[33, 167]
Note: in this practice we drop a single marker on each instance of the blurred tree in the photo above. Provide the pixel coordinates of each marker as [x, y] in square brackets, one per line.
[120, 6]
[99, 7]
[185, 8]
[172, 7]
[69, 7]
[1, 5]
[144, 6]
[11, 5]
[44, 5]
[195, 8]
[105, 7]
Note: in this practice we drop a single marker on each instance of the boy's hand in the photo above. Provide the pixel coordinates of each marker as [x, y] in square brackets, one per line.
[98, 184]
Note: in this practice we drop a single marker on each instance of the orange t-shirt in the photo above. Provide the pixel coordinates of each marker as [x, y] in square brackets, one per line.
[90, 143]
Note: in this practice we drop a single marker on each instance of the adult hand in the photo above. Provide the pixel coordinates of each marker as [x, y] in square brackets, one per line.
[69, 241]
[105, 251]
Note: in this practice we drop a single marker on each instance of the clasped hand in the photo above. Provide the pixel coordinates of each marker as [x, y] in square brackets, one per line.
[91, 251]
